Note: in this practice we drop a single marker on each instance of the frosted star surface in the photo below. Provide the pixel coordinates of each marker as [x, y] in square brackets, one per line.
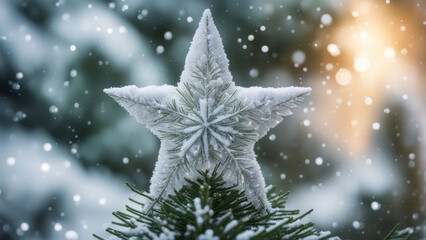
[206, 47]
[142, 102]
[272, 103]
[207, 123]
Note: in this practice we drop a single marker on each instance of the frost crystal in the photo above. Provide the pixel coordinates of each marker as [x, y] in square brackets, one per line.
[206, 122]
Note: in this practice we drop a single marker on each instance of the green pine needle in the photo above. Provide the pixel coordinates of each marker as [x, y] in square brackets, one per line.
[208, 206]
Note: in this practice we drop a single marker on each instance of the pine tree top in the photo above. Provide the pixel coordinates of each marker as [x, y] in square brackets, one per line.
[207, 209]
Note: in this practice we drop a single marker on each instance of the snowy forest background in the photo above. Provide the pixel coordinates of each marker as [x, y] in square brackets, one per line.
[355, 151]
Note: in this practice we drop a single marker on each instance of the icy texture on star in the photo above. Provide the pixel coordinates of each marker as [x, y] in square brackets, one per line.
[206, 122]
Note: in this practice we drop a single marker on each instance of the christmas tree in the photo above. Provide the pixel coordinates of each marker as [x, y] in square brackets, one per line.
[207, 183]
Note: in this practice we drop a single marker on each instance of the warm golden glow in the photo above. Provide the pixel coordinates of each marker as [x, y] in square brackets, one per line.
[369, 56]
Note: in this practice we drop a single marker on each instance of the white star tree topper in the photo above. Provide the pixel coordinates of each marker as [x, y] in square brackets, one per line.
[206, 122]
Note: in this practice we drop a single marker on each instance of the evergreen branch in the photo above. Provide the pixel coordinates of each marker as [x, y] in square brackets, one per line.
[229, 215]
[138, 192]
[405, 234]
[206, 188]
[97, 237]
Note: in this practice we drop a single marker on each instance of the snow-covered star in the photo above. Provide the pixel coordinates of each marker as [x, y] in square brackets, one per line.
[206, 122]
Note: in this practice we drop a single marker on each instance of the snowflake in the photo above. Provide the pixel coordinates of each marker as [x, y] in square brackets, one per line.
[206, 122]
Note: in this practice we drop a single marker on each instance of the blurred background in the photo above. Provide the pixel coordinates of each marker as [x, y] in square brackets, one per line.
[354, 151]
